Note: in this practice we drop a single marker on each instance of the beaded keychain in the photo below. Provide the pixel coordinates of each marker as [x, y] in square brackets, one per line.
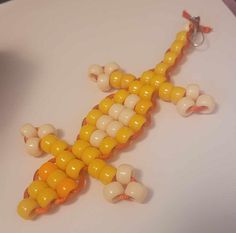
[110, 126]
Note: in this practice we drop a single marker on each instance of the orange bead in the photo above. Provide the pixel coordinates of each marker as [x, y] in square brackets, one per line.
[146, 92]
[161, 68]
[165, 91]
[157, 80]
[143, 106]
[170, 58]
[46, 169]
[115, 78]
[65, 187]
[126, 80]
[135, 87]
[177, 94]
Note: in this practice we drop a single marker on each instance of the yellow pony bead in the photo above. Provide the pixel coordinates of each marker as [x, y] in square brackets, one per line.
[95, 167]
[135, 87]
[182, 36]
[177, 94]
[74, 167]
[89, 154]
[143, 106]
[177, 46]
[107, 145]
[165, 91]
[26, 207]
[146, 76]
[124, 134]
[120, 96]
[146, 92]
[115, 78]
[105, 105]
[63, 159]
[36, 187]
[46, 196]
[107, 174]
[126, 80]
[93, 116]
[58, 147]
[157, 80]
[86, 131]
[136, 122]
[79, 147]
[170, 58]
[46, 169]
[47, 141]
[161, 68]
[55, 178]
[66, 187]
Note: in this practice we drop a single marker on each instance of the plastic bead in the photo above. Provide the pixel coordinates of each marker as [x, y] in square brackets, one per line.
[125, 116]
[143, 106]
[131, 101]
[89, 154]
[93, 116]
[136, 122]
[113, 128]
[165, 91]
[107, 145]
[135, 87]
[47, 142]
[146, 76]
[115, 78]
[115, 110]
[193, 91]
[103, 122]
[146, 92]
[36, 187]
[28, 131]
[177, 93]
[95, 167]
[136, 191]
[65, 187]
[45, 130]
[126, 80]
[58, 147]
[112, 190]
[120, 96]
[46, 169]
[63, 159]
[177, 46]
[55, 178]
[111, 67]
[96, 137]
[103, 82]
[74, 168]
[170, 58]
[161, 68]
[32, 146]
[182, 36]
[206, 101]
[105, 105]
[184, 105]
[124, 134]
[124, 173]
[26, 207]
[46, 196]
[94, 70]
[86, 132]
[79, 147]
[107, 174]
[157, 80]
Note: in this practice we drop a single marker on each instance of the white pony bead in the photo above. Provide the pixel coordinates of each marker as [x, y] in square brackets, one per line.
[28, 130]
[93, 71]
[206, 101]
[46, 129]
[32, 146]
[124, 173]
[112, 191]
[183, 105]
[115, 110]
[96, 137]
[113, 128]
[125, 116]
[103, 122]
[136, 191]
[192, 91]
[110, 67]
[103, 82]
[131, 101]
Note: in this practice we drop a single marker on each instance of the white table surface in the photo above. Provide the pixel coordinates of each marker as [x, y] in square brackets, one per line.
[189, 164]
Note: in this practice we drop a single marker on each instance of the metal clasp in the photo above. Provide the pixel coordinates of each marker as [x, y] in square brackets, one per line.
[195, 40]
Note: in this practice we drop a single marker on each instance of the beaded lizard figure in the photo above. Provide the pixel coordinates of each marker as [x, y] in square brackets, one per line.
[110, 126]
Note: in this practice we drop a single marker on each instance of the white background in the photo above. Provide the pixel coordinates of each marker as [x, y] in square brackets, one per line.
[188, 163]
